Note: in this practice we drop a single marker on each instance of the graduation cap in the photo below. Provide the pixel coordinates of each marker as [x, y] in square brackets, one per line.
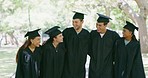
[32, 34]
[103, 18]
[78, 15]
[130, 26]
[53, 32]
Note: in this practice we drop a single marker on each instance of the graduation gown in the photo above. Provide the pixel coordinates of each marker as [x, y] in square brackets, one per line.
[28, 65]
[77, 48]
[52, 60]
[101, 56]
[128, 60]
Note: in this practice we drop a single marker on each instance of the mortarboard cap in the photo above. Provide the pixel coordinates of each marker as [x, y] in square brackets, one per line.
[130, 26]
[103, 18]
[53, 32]
[32, 34]
[78, 15]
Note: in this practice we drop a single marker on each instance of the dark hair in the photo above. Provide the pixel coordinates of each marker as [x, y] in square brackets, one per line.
[134, 38]
[133, 35]
[81, 20]
[50, 40]
[105, 23]
[25, 45]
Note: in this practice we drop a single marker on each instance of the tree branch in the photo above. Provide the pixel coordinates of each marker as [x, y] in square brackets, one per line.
[143, 5]
[127, 9]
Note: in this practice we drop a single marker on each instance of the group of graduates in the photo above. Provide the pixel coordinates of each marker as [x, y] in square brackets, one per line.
[64, 54]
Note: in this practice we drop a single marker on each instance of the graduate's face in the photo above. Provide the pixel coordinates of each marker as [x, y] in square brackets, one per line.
[77, 23]
[100, 27]
[36, 41]
[126, 33]
[59, 38]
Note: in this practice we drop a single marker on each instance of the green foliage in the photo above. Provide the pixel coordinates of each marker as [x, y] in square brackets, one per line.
[60, 12]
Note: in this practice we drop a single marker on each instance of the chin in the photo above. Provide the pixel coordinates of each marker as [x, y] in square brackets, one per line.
[76, 28]
[38, 46]
[98, 31]
[61, 41]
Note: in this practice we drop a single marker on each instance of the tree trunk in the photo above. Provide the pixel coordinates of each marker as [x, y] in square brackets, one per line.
[6, 40]
[1, 41]
[143, 34]
[13, 39]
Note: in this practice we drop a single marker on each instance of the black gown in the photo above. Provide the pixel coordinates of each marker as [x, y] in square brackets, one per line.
[77, 49]
[52, 62]
[102, 53]
[28, 65]
[128, 60]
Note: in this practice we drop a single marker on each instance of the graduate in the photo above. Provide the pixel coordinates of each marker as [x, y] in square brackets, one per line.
[128, 61]
[102, 53]
[76, 40]
[28, 57]
[52, 62]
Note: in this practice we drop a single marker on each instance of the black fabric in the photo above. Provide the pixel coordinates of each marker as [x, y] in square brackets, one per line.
[131, 27]
[78, 15]
[52, 62]
[128, 60]
[102, 53]
[32, 34]
[103, 18]
[53, 32]
[77, 49]
[28, 65]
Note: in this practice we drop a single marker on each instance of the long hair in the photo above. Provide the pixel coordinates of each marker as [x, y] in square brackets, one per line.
[134, 38]
[25, 45]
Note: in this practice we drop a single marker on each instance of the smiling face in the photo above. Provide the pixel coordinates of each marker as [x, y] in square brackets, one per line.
[58, 38]
[36, 41]
[101, 27]
[77, 23]
[126, 33]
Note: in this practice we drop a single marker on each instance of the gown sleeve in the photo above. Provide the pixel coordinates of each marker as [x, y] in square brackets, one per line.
[138, 69]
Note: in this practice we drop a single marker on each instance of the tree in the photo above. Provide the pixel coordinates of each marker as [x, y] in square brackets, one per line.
[139, 18]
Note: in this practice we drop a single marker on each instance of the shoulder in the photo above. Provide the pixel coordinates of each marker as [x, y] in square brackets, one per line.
[112, 32]
[85, 30]
[68, 29]
[20, 51]
[93, 31]
[46, 44]
[119, 40]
